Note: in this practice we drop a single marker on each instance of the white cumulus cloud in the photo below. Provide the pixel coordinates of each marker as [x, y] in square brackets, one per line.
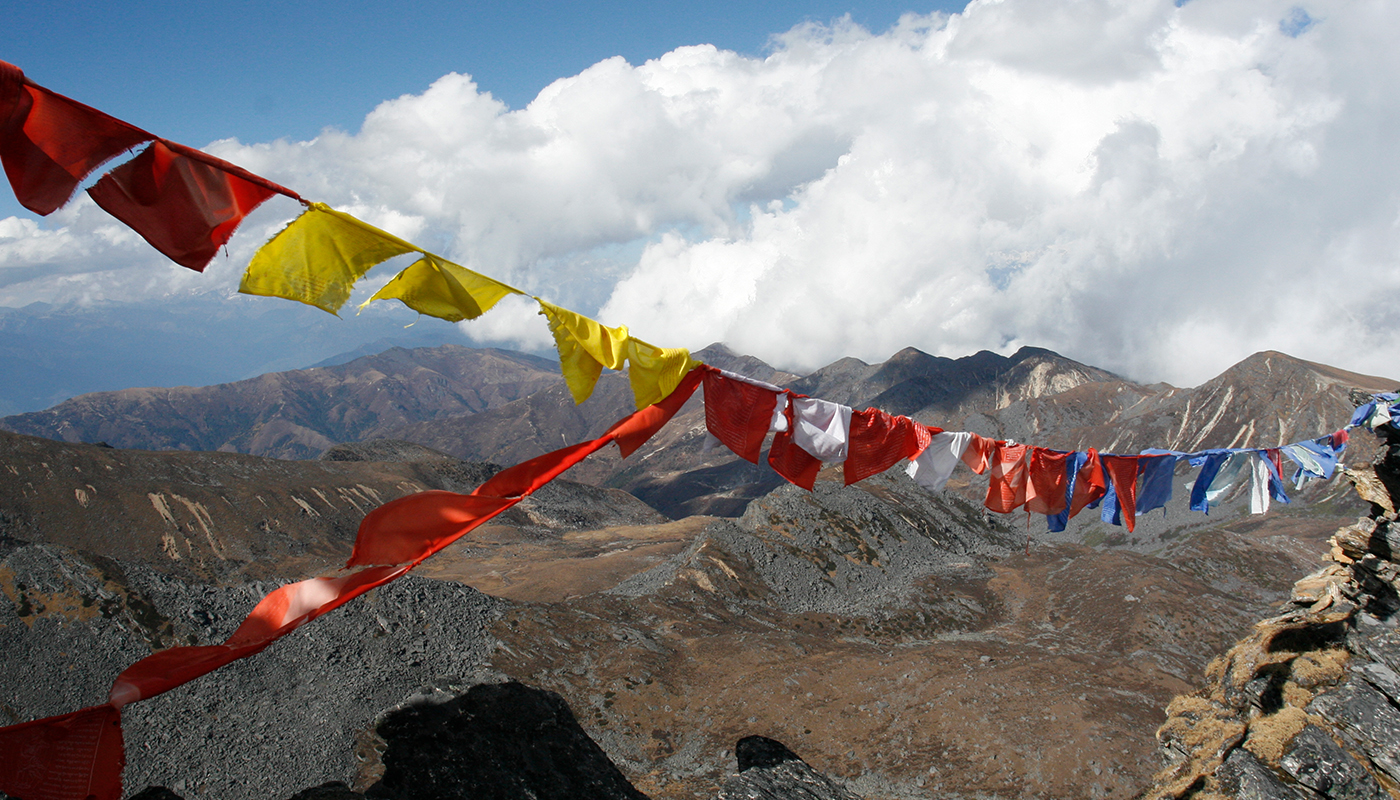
[1151, 188]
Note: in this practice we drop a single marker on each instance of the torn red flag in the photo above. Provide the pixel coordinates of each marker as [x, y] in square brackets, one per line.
[1123, 472]
[737, 413]
[185, 203]
[790, 461]
[49, 143]
[880, 440]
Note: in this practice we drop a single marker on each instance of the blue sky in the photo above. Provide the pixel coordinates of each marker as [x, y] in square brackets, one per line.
[257, 71]
[1155, 188]
[199, 71]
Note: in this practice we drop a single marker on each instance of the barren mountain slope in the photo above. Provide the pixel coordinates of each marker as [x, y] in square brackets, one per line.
[901, 642]
[297, 414]
[902, 639]
[224, 517]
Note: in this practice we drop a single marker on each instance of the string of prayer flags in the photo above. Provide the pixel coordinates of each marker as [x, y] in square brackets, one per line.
[50, 143]
[438, 288]
[79, 756]
[185, 203]
[318, 257]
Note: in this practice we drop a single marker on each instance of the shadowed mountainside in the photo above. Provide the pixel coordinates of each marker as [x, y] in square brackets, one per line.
[300, 413]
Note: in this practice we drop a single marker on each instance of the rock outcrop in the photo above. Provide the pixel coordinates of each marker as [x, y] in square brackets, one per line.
[768, 770]
[1308, 705]
[497, 739]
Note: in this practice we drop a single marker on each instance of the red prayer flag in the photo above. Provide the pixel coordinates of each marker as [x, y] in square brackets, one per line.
[1006, 491]
[738, 413]
[49, 143]
[1050, 481]
[1089, 483]
[789, 460]
[978, 453]
[185, 203]
[75, 756]
[879, 441]
[79, 756]
[1123, 471]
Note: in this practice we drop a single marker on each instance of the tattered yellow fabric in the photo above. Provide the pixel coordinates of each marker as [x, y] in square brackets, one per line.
[655, 372]
[439, 288]
[317, 259]
[585, 347]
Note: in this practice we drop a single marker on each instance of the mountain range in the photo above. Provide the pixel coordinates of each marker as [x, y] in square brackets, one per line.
[908, 642]
[502, 407]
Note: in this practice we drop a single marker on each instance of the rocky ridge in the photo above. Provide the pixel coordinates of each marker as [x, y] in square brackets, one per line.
[1308, 705]
[1034, 395]
[435, 397]
[298, 413]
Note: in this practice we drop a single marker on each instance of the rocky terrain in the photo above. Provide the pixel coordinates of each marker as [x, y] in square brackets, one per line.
[906, 644]
[1307, 704]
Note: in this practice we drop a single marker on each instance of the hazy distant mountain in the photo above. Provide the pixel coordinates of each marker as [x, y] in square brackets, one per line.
[51, 353]
[297, 414]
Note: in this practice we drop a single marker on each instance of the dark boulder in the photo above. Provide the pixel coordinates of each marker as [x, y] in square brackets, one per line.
[1245, 777]
[499, 741]
[1316, 761]
[768, 770]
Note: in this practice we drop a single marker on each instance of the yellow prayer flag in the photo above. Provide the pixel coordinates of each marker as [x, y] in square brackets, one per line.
[656, 371]
[318, 257]
[586, 346]
[441, 289]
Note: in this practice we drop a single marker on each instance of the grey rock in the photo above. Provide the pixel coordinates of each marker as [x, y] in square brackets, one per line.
[152, 793]
[768, 770]
[1383, 678]
[262, 727]
[1366, 719]
[1316, 761]
[1245, 777]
